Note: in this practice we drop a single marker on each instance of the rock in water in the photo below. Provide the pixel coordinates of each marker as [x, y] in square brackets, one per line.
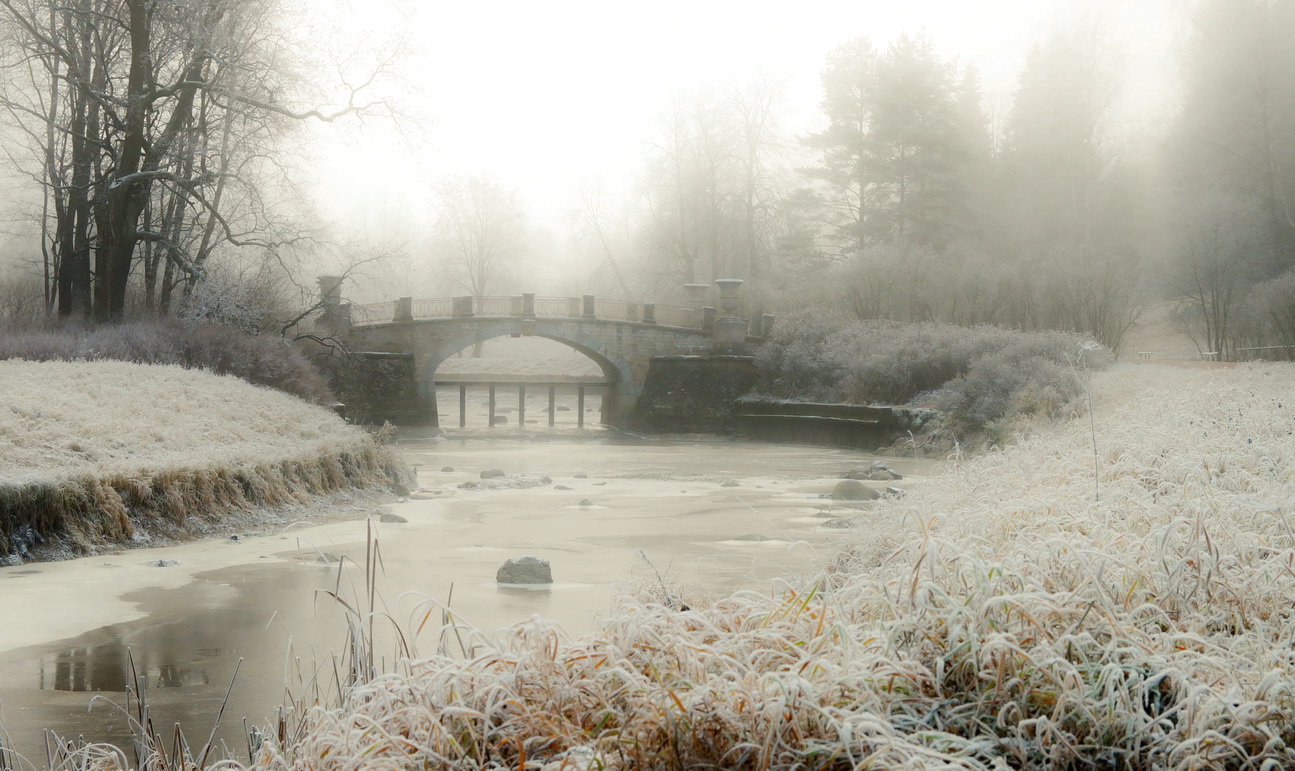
[753, 537]
[392, 518]
[853, 490]
[162, 563]
[586, 502]
[446, 469]
[561, 487]
[527, 570]
[491, 473]
[730, 483]
[580, 476]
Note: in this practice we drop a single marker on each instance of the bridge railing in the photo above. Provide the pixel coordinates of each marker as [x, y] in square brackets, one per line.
[373, 313]
[586, 306]
[433, 308]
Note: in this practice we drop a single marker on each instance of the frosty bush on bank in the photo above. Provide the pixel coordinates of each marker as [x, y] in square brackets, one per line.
[263, 360]
[976, 375]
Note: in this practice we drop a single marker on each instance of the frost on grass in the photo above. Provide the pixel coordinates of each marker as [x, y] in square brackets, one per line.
[94, 449]
[1004, 615]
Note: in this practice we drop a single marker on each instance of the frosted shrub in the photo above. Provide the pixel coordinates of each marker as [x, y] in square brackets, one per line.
[264, 360]
[794, 363]
[976, 374]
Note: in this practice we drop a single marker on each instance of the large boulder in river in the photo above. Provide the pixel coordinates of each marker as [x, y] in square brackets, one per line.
[853, 490]
[526, 570]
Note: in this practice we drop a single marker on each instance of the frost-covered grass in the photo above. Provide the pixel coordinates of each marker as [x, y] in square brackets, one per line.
[1012, 613]
[92, 450]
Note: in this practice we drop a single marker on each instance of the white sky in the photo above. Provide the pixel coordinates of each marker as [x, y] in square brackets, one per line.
[548, 94]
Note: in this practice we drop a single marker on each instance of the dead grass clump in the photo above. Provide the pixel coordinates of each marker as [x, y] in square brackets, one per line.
[999, 617]
[95, 450]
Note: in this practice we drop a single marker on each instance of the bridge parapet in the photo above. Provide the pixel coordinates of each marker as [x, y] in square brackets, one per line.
[529, 306]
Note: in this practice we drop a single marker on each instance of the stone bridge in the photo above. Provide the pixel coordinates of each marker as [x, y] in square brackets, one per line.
[622, 337]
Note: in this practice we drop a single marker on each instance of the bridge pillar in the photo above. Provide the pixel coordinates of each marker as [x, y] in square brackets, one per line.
[463, 307]
[708, 316]
[696, 294]
[405, 309]
[649, 313]
[729, 301]
[528, 305]
[337, 315]
[589, 307]
[730, 329]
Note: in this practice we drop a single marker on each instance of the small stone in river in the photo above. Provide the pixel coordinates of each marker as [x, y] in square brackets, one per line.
[387, 516]
[752, 537]
[162, 563]
[491, 473]
[545, 480]
[501, 419]
[468, 485]
[581, 476]
[599, 484]
[526, 570]
[853, 490]
[586, 502]
[563, 408]
[730, 483]
[839, 523]
[894, 492]
[561, 487]
[446, 469]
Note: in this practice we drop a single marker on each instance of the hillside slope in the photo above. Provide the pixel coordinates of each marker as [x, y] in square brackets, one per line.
[91, 451]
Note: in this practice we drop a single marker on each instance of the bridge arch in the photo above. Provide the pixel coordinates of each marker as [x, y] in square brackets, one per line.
[617, 372]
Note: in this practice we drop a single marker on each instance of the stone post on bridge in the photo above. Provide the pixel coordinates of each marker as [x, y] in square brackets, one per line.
[696, 294]
[336, 316]
[729, 333]
[405, 309]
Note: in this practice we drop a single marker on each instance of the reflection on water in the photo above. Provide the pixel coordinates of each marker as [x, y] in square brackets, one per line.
[108, 667]
[269, 620]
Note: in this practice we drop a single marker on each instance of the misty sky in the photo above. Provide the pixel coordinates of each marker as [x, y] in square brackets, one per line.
[547, 95]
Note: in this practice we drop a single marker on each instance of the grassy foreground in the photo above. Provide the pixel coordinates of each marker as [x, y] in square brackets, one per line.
[95, 450]
[1011, 614]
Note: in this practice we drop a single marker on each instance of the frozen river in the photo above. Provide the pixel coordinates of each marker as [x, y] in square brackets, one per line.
[712, 517]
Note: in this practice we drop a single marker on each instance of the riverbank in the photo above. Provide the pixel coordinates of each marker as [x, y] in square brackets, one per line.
[1113, 592]
[106, 454]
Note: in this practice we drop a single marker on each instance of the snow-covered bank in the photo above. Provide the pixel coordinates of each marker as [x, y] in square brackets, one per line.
[1030, 611]
[94, 453]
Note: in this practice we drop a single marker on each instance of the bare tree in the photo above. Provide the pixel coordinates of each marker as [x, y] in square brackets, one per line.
[478, 229]
[147, 124]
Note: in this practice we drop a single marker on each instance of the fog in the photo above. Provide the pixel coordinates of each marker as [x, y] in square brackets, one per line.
[1083, 166]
